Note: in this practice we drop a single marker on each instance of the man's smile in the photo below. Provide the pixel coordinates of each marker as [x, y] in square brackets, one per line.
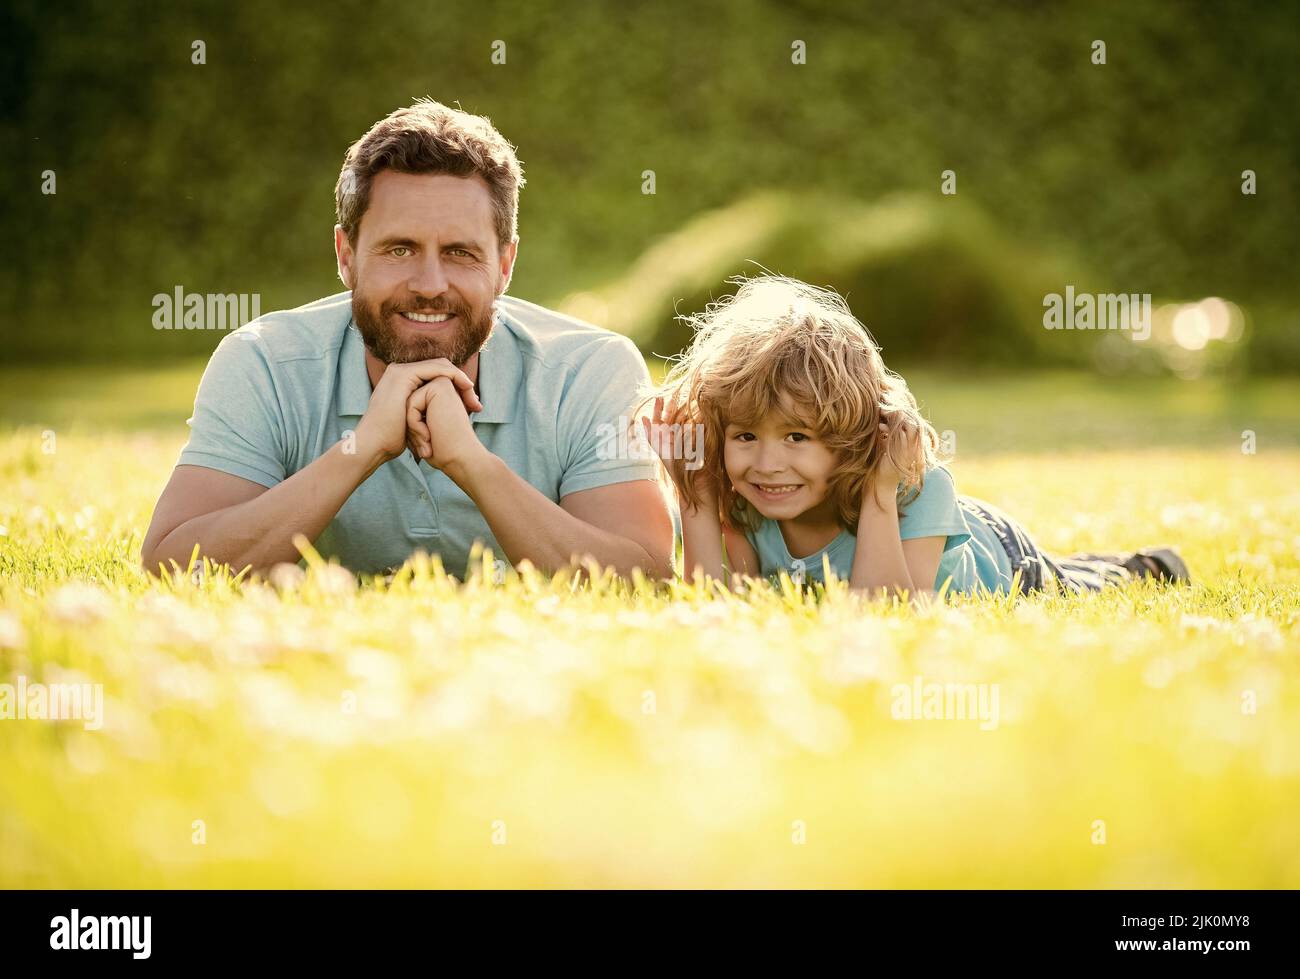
[426, 321]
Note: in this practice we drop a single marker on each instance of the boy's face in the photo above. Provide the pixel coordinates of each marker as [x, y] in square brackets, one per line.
[779, 465]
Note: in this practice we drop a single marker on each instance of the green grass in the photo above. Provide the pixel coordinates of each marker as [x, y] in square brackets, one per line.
[60, 397]
[330, 734]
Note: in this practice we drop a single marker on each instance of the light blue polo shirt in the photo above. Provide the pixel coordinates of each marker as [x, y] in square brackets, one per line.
[973, 557]
[279, 392]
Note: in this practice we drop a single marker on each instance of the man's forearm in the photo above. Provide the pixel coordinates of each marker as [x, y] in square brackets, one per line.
[260, 532]
[529, 525]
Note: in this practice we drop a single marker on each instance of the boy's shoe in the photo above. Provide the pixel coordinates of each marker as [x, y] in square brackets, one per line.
[1168, 565]
[1161, 563]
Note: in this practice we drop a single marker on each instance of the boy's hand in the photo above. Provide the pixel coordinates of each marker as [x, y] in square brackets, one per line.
[660, 431]
[886, 475]
[667, 435]
[885, 478]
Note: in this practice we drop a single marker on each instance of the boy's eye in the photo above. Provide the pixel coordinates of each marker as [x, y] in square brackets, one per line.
[799, 436]
[743, 436]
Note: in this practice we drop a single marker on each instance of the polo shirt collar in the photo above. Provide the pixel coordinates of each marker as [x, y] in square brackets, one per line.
[353, 381]
[500, 373]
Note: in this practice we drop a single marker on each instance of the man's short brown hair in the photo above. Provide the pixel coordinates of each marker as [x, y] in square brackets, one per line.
[429, 137]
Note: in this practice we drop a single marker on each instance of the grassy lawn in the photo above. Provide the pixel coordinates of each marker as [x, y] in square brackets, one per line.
[429, 733]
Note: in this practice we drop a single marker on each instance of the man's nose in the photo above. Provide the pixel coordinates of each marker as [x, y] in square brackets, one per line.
[429, 277]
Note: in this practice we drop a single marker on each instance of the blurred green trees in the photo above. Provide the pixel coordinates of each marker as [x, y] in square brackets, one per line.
[929, 276]
[218, 177]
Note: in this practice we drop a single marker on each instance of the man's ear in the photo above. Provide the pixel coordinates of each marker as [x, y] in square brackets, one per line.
[346, 256]
[508, 255]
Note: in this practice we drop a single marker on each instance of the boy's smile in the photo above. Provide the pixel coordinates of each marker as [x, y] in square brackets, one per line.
[777, 492]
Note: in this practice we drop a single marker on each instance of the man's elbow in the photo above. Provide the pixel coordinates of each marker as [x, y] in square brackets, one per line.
[656, 560]
[149, 559]
[660, 568]
[655, 563]
[154, 561]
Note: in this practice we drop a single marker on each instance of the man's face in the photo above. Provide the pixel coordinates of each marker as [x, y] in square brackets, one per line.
[427, 267]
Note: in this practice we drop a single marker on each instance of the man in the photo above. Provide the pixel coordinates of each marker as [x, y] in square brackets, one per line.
[309, 421]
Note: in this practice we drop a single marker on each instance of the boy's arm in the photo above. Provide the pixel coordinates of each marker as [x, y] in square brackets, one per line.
[882, 561]
[741, 556]
[701, 540]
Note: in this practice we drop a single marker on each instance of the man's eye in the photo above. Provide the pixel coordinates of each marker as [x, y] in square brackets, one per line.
[460, 251]
[401, 251]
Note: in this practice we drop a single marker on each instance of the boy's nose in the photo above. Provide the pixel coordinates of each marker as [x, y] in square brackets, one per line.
[769, 462]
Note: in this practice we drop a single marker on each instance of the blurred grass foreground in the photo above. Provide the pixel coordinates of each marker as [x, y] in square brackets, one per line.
[319, 731]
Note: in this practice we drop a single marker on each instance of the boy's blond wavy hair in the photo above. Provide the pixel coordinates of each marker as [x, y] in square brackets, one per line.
[782, 345]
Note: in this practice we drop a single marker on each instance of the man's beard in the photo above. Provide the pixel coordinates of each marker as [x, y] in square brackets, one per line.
[384, 341]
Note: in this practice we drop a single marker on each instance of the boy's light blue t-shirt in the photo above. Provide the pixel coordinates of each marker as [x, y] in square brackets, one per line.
[278, 393]
[973, 557]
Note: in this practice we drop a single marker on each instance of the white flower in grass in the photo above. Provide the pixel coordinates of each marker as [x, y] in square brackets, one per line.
[286, 577]
[334, 580]
[1200, 623]
[12, 634]
[1258, 630]
[79, 603]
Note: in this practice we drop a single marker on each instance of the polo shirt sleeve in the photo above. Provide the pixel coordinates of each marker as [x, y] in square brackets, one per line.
[599, 399]
[935, 512]
[237, 426]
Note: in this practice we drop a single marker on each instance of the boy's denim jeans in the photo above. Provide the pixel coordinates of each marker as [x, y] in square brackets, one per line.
[1039, 571]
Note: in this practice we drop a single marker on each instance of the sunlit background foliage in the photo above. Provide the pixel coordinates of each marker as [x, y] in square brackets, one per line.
[320, 731]
[1122, 177]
